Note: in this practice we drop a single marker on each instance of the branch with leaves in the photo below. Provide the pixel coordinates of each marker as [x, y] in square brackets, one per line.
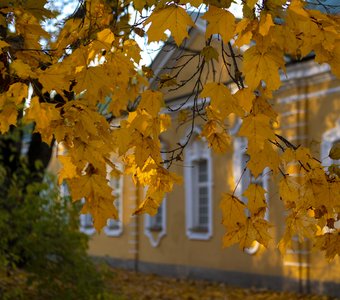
[85, 89]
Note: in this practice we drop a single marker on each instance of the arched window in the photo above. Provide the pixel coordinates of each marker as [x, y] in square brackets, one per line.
[243, 178]
[198, 189]
[115, 227]
[155, 226]
[86, 223]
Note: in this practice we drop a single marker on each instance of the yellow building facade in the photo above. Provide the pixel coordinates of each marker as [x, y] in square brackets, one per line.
[185, 238]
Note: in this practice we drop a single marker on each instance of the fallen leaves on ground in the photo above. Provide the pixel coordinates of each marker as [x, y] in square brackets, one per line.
[130, 285]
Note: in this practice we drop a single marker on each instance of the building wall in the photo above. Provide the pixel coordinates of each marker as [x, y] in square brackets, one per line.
[308, 105]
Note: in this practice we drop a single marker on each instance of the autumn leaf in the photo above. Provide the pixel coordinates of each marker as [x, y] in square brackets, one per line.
[43, 114]
[257, 128]
[233, 210]
[262, 63]
[334, 153]
[220, 22]
[216, 136]
[172, 17]
[152, 101]
[329, 242]
[256, 199]
[101, 209]
[246, 233]
[221, 99]
[106, 37]
[69, 170]
[10, 103]
[3, 44]
[262, 158]
[151, 203]
[245, 98]
[22, 70]
[266, 22]
[209, 53]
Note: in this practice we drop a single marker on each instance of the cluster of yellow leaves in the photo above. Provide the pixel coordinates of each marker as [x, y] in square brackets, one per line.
[311, 196]
[89, 95]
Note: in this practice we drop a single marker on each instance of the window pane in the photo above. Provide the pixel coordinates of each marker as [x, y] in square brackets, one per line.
[88, 222]
[203, 207]
[202, 171]
[156, 221]
[113, 224]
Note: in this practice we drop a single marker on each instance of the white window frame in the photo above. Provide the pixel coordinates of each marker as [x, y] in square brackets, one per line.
[154, 236]
[84, 227]
[242, 181]
[118, 194]
[328, 139]
[195, 151]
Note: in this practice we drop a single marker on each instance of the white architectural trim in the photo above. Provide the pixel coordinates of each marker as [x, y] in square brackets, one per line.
[155, 235]
[85, 227]
[318, 94]
[118, 193]
[195, 151]
[304, 70]
[242, 179]
[328, 139]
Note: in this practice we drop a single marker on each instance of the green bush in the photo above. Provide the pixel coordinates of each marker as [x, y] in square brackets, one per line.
[42, 253]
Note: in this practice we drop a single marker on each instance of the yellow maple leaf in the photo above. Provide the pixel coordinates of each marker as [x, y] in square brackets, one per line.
[101, 209]
[152, 101]
[3, 44]
[21, 69]
[266, 22]
[219, 3]
[221, 99]
[262, 63]
[256, 199]
[329, 242]
[216, 136]
[233, 210]
[57, 77]
[69, 170]
[106, 37]
[163, 180]
[209, 53]
[289, 190]
[262, 158]
[245, 98]
[9, 114]
[257, 129]
[254, 229]
[220, 22]
[43, 114]
[334, 153]
[10, 102]
[251, 3]
[300, 224]
[145, 147]
[151, 203]
[92, 186]
[244, 31]
[172, 17]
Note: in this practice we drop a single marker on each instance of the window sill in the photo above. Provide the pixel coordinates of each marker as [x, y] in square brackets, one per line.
[87, 230]
[193, 234]
[113, 232]
[154, 229]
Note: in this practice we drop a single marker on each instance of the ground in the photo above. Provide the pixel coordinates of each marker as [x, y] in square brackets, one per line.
[129, 285]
